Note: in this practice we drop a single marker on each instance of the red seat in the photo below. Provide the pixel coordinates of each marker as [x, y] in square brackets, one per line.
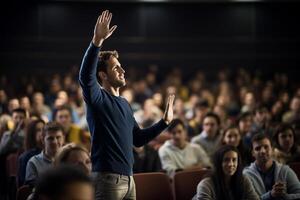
[11, 164]
[296, 167]
[23, 192]
[153, 186]
[185, 183]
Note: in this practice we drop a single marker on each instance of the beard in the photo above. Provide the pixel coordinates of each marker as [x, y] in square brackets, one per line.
[116, 82]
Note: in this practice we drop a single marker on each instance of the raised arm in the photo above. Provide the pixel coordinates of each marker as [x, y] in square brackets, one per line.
[88, 70]
[143, 136]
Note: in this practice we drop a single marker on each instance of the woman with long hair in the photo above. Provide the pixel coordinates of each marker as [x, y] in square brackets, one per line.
[227, 181]
[286, 149]
[33, 146]
[233, 137]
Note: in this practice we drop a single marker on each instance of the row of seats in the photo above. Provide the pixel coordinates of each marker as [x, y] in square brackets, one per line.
[157, 185]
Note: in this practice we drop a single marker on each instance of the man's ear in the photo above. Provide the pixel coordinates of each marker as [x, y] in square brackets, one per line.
[102, 75]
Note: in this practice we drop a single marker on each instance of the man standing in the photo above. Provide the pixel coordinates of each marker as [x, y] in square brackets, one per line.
[270, 179]
[113, 128]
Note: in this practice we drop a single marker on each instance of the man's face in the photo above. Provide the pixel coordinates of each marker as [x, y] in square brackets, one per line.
[262, 151]
[18, 117]
[63, 117]
[178, 135]
[245, 124]
[115, 73]
[53, 141]
[261, 116]
[210, 126]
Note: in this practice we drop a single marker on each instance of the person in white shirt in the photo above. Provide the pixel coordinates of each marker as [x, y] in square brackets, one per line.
[178, 154]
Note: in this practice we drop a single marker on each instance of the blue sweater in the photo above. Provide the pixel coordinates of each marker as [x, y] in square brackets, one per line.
[110, 118]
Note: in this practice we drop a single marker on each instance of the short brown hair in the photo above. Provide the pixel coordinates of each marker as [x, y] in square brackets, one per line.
[52, 127]
[104, 56]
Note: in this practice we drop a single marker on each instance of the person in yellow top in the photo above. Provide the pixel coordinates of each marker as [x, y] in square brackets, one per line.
[73, 132]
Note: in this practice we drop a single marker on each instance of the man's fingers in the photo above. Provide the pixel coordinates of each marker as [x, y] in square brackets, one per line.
[112, 29]
[102, 16]
[109, 18]
[171, 99]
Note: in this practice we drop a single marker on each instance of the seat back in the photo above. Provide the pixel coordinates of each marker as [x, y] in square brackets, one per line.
[23, 192]
[185, 183]
[296, 167]
[150, 186]
[11, 164]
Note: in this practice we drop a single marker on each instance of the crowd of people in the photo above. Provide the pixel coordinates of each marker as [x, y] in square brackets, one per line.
[241, 125]
[227, 111]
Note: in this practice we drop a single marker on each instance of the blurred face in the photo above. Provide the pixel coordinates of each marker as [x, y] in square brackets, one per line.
[295, 104]
[286, 140]
[262, 151]
[53, 141]
[13, 104]
[230, 163]
[210, 126]
[200, 112]
[245, 124]
[78, 191]
[38, 99]
[249, 99]
[115, 73]
[261, 116]
[178, 136]
[25, 103]
[232, 137]
[82, 159]
[64, 118]
[18, 117]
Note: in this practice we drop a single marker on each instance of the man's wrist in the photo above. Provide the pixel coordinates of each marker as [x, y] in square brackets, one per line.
[166, 121]
[97, 41]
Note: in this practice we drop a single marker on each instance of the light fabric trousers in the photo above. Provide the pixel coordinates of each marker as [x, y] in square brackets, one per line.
[111, 186]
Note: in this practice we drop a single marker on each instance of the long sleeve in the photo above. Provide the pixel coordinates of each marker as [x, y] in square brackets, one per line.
[167, 163]
[293, 185]
[88, 75]
[249, 192]
[31, 173]
[205, 190]
[143, 136]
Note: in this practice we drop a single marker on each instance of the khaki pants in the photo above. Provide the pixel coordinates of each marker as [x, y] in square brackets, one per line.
[111, 186]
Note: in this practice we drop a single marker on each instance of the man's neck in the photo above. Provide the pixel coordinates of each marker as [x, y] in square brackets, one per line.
[111, 90]
[182, 145]
[265, 166]
[49, 155]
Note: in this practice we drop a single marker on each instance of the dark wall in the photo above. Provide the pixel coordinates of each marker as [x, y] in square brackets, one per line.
[52, 36]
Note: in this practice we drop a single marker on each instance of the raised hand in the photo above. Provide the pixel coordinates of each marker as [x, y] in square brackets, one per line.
[102, 30]
[168, 115]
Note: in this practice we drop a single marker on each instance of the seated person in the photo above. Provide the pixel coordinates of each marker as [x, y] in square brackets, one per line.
[227, 181]
[53, 139]
[74, 154]
[286, 149]
[271, 180]
[232, 136]
[210, 137]
[33, 146]
[64, 183]
[146, 159]
[178, 154]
